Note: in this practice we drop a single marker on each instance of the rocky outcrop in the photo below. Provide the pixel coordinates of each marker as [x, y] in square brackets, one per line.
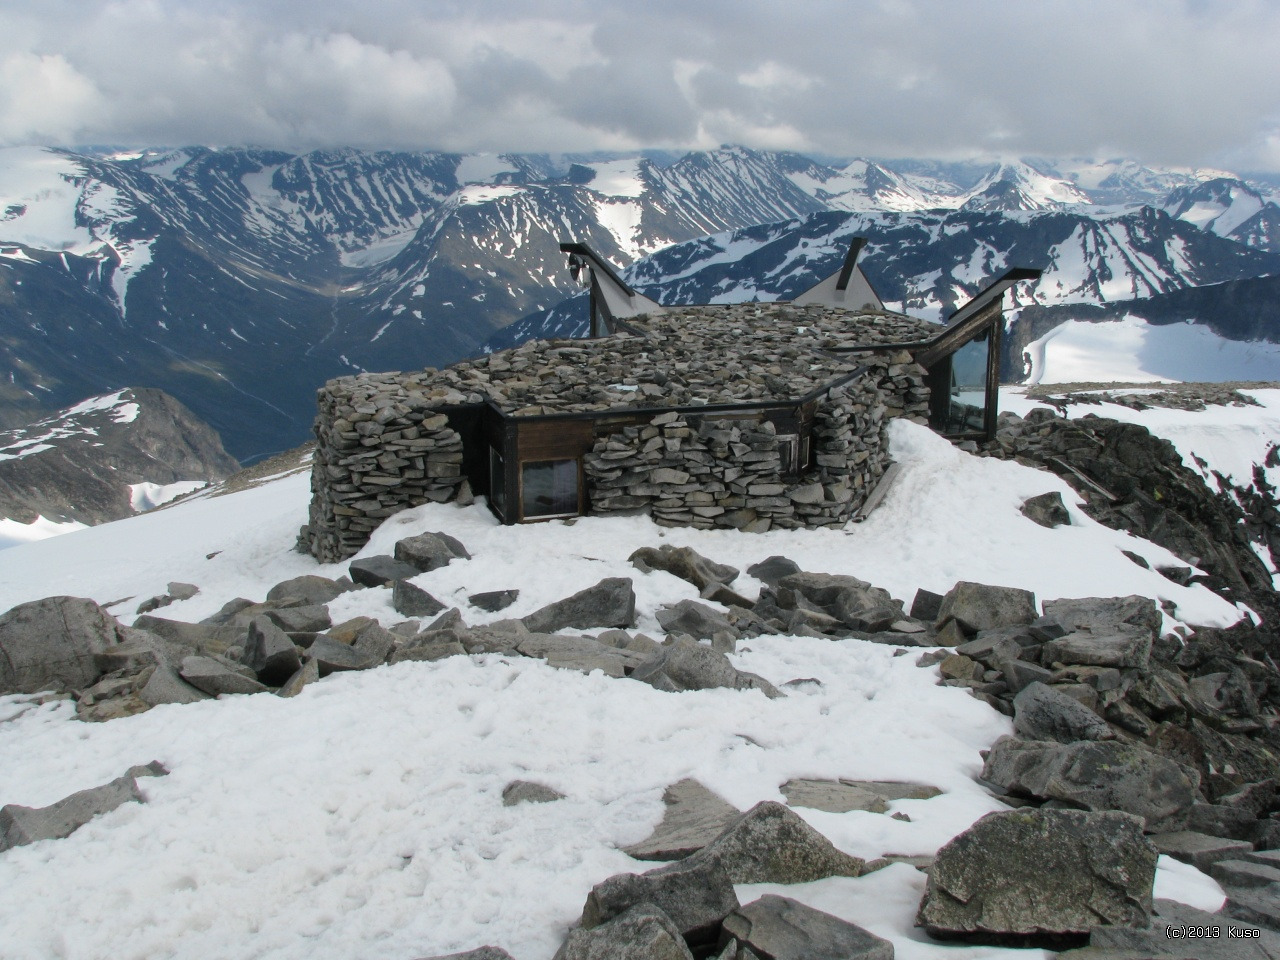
[1131, 480]
[1036, 872]
[22, 825]
[53, 644]
[79, 464]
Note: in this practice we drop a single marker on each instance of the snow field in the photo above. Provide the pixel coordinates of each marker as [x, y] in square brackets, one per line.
[364, 817]
[1132, 351]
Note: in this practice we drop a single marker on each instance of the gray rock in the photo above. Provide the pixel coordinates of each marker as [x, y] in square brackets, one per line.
[925, 605]
[493, 600]
[1098, 775]
[309, 672]
[1047, 509]
[309, 589]
[689, 665]
[429, 646]
[1180, 932]
[578, 653]
[694, 619]
[430, 551]
[165, 686]
[1242, 873]
[1041, 712]
[380, 570]
[311, 618]
[270, 653]
[979, 606]
[610, 603]
[772, 569]
[684, 563]
[412, 601]
[51, 644]
[526, 791]
[694, 816]
[21, 825]
[1222, 821]
[642, 933]
[215, 678]
[1105, 615]
[772, 844]
[1255, 905]
[783, 929]
[1199, 849]
[842, 796]
[856, 604]
[375, 642]
[695, 896]
[480, 953]
[1125, 649]
[331, 656]
[1083, 868]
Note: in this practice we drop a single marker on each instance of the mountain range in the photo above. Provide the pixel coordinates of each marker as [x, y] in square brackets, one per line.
[238, 280]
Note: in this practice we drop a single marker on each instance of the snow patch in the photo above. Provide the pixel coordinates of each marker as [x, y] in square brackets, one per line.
[147, 496]
[1132, 351]
[13, 533]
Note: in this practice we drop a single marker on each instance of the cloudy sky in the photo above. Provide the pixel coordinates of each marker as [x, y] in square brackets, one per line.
[1188, 82]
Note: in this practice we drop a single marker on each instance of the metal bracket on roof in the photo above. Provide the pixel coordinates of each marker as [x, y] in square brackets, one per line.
[850, 261]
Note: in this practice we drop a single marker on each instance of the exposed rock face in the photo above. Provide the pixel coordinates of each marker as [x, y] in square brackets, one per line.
[1131, 480]
[783, 929]
[1041, 872]
[772, 844]
[52, 643]
[1096, 776]
[696, 896]
[22, 825]
[978, 606]
[685, 563]
[610, 603]
[854, 603]
[1042, 713]
[694, 817]
[642, 933]
[79, 463]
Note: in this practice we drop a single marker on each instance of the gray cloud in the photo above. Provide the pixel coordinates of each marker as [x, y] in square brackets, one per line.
[1168, 81]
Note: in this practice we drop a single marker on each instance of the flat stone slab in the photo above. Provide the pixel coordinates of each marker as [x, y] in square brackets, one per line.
[1199, 849]
[21, 825]
[784, 929]
[578, 653]
[842, 796]
[526, 791]
[1180, 932]
[694, 817]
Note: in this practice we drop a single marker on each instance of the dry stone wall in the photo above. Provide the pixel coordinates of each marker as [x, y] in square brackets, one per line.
[730, 473]
[385, 443]
[382, 445]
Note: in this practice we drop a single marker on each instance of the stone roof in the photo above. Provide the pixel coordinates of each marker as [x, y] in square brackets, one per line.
[703, 355]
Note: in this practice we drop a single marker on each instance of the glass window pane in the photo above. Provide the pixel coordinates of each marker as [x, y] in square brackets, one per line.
[497, 483]
[550, 488]
[969, 387]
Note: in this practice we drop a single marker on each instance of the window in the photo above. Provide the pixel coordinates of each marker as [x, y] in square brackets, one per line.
[968, 409]
[549, 488]
[789, 452]
[497, 483]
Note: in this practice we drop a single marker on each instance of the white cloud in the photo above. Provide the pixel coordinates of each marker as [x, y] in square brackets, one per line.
[43, 98]
[1171, 81]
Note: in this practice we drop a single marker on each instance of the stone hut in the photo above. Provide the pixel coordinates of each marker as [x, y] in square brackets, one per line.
[752, 416]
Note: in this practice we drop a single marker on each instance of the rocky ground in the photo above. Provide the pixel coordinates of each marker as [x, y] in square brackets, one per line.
[1128, 743]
